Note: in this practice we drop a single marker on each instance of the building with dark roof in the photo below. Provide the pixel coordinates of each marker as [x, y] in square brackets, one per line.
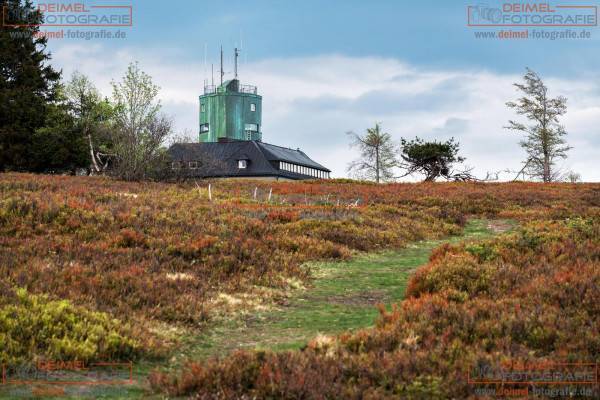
[230, 140]
[244, 159]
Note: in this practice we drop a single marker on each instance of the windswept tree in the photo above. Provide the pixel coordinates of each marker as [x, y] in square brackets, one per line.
[377, 155]
[27, 82]
[432, 159]
[92, 116]
[544, 137]
[140, 128]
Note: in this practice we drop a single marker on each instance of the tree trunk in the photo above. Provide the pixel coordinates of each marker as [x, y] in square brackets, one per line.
[545, 142]
[377, 166]
[545, 149]
[547, 177]
[92, 154]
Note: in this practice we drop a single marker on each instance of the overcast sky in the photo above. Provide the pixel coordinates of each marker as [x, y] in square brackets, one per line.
[328, 67]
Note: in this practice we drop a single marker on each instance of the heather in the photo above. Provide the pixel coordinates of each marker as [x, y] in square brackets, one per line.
[163, 252]
[529, 296]
[161, 257]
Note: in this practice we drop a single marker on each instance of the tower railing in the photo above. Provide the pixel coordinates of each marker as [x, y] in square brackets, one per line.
[248, 89]
[209, 89]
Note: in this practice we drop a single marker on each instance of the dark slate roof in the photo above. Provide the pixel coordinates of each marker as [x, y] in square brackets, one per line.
[222, 159]
[277, 153]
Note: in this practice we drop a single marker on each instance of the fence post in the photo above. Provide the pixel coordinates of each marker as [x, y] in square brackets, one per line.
[209, 192]
[255, 192]
[270, 194]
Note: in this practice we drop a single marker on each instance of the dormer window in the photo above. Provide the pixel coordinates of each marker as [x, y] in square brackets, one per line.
[242, 164]
[204, 128]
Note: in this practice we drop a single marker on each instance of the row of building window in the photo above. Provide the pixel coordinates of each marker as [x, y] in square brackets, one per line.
[299, 169]
[249, 128]
[194, 164]
[243, 164]
[252, 107]
[181, 164]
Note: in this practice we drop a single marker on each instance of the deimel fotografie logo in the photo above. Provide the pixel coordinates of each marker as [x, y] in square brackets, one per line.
[68, 15]
[532, 14]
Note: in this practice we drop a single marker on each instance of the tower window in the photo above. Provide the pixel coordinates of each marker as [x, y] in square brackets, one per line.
[252, 107]
[242, 164]
[203, 128]
[202, 107]
[251, 127]
[193, 164]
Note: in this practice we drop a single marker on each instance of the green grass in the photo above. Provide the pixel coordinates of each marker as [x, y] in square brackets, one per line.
[342, 297]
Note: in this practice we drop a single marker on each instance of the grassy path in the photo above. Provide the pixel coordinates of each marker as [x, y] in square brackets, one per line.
[343, 297]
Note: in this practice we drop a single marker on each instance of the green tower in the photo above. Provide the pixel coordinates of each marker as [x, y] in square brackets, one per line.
[230, 111]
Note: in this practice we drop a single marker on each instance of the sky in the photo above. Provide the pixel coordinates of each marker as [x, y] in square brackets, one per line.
[328, 67]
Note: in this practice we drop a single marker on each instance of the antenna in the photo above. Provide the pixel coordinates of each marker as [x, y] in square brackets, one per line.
[212, 74]
[205, 53]
[245, 60]
[237, 53]
[222, 73]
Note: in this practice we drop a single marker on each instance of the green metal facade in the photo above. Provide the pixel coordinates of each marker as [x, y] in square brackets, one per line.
[231, 111]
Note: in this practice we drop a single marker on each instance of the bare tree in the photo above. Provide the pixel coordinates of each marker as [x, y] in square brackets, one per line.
[377, 155]
[140, 127]
[544, 142]
[572, 177]
[184, 136]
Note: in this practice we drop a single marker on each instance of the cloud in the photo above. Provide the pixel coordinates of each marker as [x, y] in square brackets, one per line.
[452, 127]
[312, 102]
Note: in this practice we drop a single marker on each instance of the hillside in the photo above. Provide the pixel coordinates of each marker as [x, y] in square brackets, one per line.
[139, 266]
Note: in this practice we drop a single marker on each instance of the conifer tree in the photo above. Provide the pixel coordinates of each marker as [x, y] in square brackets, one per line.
[27, 83]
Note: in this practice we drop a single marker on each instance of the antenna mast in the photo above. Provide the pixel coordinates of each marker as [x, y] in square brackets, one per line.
[212, 74]
[205, 54]
[222, 73]
[237, 53]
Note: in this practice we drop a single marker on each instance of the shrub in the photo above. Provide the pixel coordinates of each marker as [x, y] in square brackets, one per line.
[535, 301]
[33, 327]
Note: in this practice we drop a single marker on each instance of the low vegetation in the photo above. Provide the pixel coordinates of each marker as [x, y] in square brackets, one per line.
[531, 297]
[32, 326]
[139, 261]
[341, 297]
